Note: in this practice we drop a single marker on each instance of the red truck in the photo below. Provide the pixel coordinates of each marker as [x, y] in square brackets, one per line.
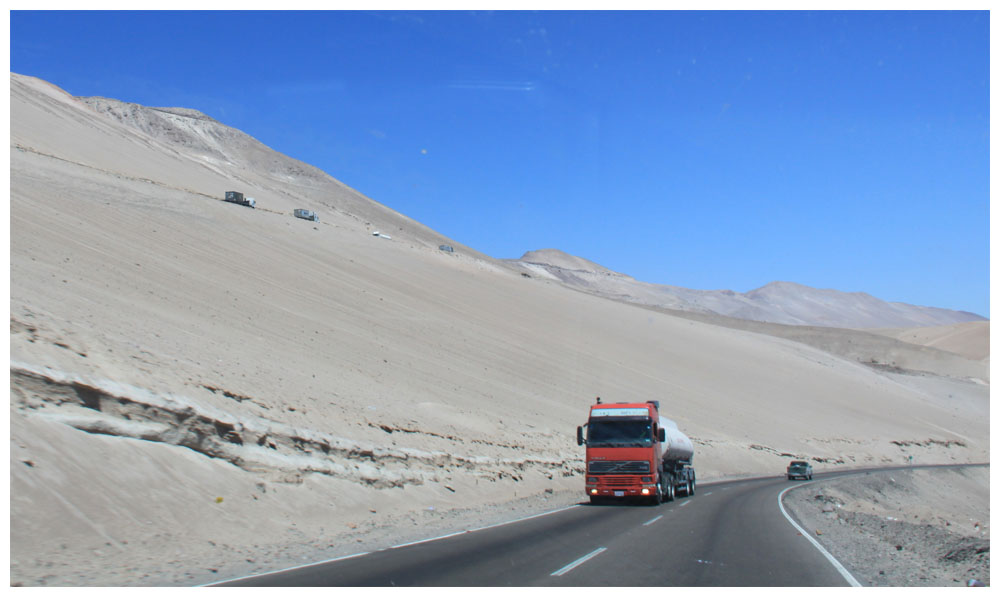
[633, 452]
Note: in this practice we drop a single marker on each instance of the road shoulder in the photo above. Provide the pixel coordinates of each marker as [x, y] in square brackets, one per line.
[907, 528]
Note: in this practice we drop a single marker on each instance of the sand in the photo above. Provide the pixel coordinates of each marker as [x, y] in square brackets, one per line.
[970, 340]
[201, 390]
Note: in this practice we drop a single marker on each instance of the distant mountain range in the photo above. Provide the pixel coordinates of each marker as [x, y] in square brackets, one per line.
[777, 302]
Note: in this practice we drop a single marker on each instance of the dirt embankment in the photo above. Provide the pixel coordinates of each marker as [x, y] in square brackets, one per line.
[916, 528]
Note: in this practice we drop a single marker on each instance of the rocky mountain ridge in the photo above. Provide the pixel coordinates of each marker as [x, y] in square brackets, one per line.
[787, 303]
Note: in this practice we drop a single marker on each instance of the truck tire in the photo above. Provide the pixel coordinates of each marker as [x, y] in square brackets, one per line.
[690, 487]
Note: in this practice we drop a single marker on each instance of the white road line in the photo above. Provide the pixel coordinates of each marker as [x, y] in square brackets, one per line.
[649, 522]
[840, 568]
[500, 524]
[428, 540]
[686, 502]
[355, 555]
[572, 565]
[709, 493]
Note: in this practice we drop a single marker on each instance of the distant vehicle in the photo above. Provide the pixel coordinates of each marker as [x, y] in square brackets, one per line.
[238, 198]
[306, 214]
[380, 235]
[447, 248]
[800, 469]
[633, 452]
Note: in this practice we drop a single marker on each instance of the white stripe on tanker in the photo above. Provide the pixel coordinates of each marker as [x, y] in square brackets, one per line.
[678, 446]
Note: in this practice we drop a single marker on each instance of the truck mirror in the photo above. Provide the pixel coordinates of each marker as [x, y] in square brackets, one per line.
[662, 435]
[579, 436]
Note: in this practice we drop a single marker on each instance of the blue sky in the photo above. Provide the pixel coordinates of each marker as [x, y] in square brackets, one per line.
[708, 150]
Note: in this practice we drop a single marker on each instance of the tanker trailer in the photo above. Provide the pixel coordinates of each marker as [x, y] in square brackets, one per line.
[678, 453]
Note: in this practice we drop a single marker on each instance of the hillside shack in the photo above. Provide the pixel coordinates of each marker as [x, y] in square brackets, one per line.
[238, 198]
[306, 214]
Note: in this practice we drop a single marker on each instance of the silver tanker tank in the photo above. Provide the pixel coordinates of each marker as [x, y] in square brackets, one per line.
[678, 446]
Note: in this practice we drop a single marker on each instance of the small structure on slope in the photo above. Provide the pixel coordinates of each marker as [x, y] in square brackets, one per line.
[238, 198]
[306, 214]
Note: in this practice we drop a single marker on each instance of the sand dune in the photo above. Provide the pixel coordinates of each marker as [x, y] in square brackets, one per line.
[970, 340]
[200, 389]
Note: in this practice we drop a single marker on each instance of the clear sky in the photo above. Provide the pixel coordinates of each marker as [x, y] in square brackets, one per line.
[709, 150]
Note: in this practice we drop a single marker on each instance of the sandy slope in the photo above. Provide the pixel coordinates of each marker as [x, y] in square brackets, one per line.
[971, 340]
[169, 349]
[866, 347]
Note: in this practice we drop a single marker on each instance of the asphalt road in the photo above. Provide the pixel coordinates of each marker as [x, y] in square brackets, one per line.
[728, 534]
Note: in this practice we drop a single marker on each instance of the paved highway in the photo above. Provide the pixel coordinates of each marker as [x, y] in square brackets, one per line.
[729, 534]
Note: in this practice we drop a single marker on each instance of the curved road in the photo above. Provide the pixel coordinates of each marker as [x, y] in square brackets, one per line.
[729, 533]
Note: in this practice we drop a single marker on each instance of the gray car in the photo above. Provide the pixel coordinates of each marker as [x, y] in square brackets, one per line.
[800, 469]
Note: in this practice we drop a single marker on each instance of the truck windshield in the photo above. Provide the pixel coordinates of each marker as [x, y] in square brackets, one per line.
[620, 433]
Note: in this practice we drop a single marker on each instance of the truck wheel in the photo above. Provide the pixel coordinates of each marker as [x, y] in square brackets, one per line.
[690, 487]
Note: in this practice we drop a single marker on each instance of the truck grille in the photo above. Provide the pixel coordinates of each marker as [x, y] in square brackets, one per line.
[618, 467]
[610, 481]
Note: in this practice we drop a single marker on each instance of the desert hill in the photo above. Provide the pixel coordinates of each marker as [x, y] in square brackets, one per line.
[777, 302]
[970, 340]
[201, 390]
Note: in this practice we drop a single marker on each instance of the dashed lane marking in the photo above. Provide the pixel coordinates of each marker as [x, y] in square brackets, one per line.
[357, 555]
[576, 563]
[649, 522]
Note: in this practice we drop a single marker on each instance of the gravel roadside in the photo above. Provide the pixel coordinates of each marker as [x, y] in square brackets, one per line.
[908, 528]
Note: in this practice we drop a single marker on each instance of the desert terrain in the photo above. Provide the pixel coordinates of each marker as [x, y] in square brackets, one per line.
[904, 528]
[201, 390]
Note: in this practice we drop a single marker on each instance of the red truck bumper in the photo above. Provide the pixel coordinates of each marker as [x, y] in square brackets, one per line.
[620, 487]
